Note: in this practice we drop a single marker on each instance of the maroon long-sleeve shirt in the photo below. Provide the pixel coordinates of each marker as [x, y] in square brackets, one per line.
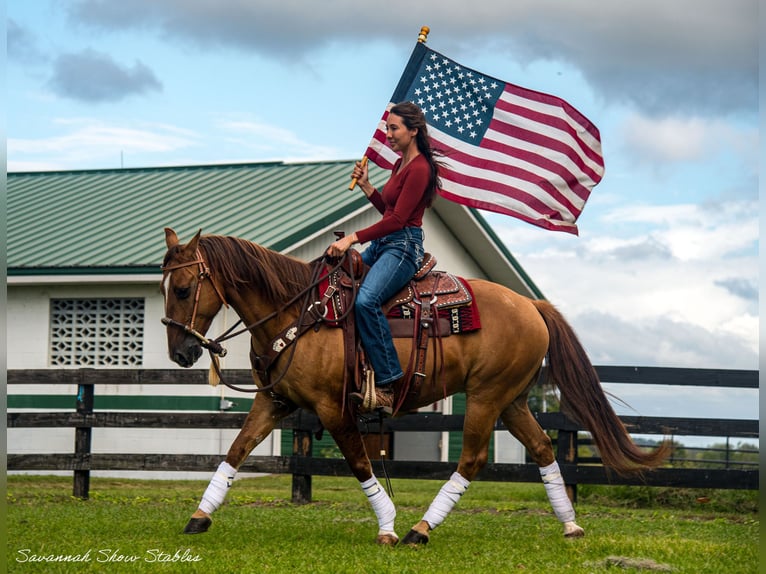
[402, 201]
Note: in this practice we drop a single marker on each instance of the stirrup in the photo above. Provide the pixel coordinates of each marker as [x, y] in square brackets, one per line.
[367, 400]
[370, 399]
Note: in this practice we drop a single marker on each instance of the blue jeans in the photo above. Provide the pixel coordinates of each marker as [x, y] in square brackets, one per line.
[393, 260]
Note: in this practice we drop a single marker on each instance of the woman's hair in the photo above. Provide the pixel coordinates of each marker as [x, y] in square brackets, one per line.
[413, 117]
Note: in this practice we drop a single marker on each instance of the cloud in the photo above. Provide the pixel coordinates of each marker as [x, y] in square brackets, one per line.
[87, 142]
[670, 285]
[264, 140]
[696, 232]
[684, 401]
[92, 76]
[669, 139]
[22, 45]
[740, 287]
[640, 249]
[660, 341]
[686, 56]
[664, 142]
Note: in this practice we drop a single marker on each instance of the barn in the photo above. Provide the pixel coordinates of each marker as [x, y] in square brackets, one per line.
[83, 255]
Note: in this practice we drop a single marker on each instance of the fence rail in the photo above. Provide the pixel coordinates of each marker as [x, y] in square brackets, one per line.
[305, 425]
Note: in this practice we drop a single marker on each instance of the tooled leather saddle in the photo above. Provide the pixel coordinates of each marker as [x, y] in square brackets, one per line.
[434, 304]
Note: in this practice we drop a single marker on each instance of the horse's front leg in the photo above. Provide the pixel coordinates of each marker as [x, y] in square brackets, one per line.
[259, 423]
[345, 432]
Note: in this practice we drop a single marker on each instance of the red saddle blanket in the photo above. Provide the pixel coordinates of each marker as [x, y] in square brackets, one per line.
[453, 300]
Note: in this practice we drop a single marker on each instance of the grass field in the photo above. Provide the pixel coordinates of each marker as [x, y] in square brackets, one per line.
[136, 526]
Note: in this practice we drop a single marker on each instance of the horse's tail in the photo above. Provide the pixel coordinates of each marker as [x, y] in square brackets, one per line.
[572, 372]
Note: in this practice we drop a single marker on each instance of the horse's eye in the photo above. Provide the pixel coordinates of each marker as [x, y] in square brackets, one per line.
[182, 292]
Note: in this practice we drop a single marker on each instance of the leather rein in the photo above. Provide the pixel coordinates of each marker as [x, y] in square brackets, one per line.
[311, 315]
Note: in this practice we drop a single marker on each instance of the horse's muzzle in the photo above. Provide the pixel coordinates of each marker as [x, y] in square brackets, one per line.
[188, 354]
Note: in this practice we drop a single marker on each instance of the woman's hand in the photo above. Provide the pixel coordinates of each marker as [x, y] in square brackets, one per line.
[360, 174]
[339, 247]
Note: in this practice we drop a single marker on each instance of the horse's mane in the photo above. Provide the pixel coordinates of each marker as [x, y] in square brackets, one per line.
[237, 261]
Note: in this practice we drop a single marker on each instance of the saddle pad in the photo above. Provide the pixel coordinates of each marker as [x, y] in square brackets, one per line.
[462, 313]
[455, 303]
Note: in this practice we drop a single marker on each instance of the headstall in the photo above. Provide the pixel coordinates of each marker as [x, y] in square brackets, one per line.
[204, 273]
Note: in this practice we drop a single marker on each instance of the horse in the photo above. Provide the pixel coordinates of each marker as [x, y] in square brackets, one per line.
[495, 366]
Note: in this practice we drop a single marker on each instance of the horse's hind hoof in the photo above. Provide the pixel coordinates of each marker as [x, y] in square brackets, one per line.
[415, 538]
[572, 530]
[198, 525]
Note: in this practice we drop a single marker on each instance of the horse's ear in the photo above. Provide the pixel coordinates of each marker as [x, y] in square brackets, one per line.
[171, 239]
[192, 246]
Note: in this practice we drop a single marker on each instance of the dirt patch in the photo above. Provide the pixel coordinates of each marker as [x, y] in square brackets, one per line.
[632, 563]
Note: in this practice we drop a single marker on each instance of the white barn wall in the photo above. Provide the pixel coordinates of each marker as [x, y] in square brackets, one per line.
[28, 310]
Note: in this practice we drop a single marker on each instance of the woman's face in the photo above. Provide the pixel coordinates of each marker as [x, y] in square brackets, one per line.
[398, 135]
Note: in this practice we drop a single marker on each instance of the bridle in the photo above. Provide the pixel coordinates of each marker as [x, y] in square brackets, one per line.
[204, 273]
[316, 311]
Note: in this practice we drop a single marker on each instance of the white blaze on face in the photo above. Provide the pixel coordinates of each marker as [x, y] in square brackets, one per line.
[165, 289]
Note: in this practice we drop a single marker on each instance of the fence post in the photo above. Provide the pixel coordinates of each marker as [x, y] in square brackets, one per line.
[82, 441]
[302, 446]
[566, 454]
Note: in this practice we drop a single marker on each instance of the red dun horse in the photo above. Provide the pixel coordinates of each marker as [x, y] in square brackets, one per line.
[495, 367]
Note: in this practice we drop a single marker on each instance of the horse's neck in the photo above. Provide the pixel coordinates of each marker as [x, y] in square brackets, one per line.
[254, 312]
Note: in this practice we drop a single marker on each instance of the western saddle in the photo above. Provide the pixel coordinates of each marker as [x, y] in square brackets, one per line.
[420, 311]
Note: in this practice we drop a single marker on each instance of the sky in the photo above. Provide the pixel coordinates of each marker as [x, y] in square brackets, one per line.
[664, 271]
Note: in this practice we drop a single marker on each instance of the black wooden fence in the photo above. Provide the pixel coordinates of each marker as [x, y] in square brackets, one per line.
[305, 426]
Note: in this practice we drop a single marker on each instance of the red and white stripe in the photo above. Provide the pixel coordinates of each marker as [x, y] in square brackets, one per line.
[538, 161]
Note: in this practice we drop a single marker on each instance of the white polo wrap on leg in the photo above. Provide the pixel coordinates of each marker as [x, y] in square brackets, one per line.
[556, 491]
[218, 487]
[446, 500]
[381, 503]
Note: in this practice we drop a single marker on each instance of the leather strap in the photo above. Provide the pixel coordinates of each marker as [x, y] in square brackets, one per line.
[424, 324]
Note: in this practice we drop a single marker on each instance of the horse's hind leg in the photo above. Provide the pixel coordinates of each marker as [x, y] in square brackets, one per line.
[259, 423]
[520, 422]
[477, 430]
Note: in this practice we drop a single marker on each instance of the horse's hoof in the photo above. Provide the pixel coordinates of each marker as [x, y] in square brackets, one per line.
[198, 525]
[572, 530]
[414, 538]
[387, 539]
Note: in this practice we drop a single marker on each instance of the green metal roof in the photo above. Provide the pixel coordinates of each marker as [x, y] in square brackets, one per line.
[111, 220]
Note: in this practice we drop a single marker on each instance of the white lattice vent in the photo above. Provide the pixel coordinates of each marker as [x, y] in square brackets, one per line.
[97, 332]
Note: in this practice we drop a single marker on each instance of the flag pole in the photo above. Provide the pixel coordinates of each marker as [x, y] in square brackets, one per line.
[422, 37]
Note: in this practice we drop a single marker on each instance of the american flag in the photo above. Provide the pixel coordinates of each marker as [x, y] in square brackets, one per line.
[508, 149]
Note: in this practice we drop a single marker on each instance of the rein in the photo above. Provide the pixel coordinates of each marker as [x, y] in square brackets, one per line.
[316, 311]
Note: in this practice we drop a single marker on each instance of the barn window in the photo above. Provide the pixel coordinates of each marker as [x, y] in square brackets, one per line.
[97, 332]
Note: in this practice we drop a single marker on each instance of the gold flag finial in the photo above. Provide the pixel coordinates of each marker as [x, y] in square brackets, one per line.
[423, 36]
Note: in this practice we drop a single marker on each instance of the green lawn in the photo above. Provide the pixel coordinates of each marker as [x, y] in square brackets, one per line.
[136, 526]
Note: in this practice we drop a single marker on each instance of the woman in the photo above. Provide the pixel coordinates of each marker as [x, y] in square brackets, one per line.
[396, 248]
